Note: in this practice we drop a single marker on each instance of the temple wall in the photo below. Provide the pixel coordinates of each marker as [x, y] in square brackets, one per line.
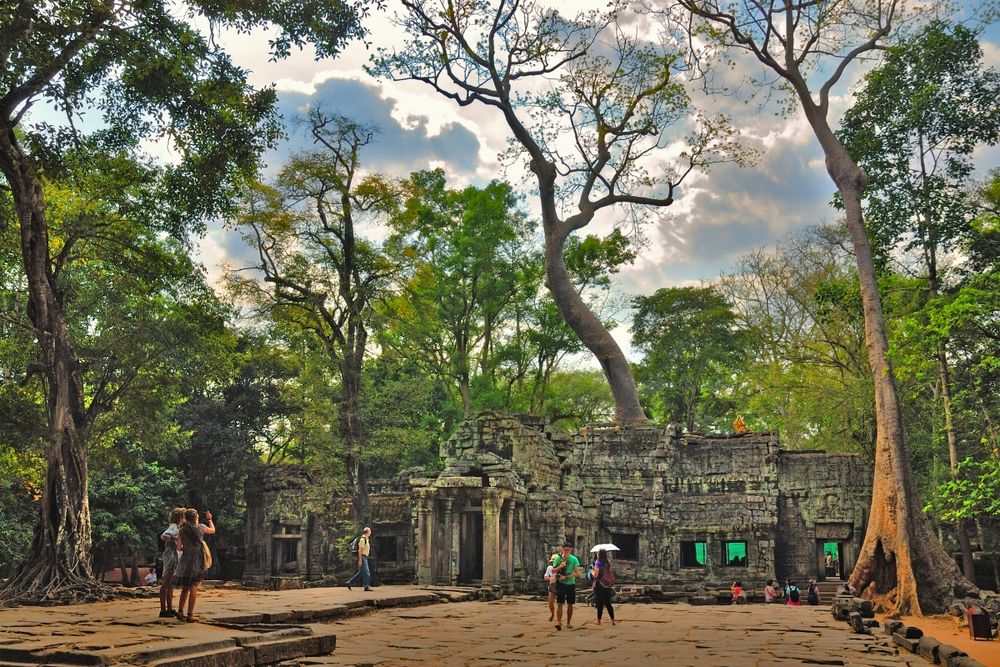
[822, 497]
[688, 510]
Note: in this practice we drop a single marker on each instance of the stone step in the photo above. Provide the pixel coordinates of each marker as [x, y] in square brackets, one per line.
[51, 657]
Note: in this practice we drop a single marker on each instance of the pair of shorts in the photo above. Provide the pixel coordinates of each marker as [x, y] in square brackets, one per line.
[566, 593]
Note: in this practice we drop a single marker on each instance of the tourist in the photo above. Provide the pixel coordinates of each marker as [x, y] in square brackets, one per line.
[792, 594]
[770, 594]
[169, 557]
[364, 548]
[849, 590]
[737, 589]
[604, 582]
[829, 564]
[565, 568]
[191, 565]
[150, 580]
[813, 593]
[550, 584]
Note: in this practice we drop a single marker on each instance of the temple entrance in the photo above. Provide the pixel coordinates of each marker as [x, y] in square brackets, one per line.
[470, 555]
[831, 558]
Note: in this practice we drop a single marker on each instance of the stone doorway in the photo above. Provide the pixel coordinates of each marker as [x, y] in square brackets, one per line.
[470, 547]
[831, 559]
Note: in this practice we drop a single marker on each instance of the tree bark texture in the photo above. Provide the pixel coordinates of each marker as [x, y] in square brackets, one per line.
[577, 315]
[961, 527]
[59, 564]
[901, 566]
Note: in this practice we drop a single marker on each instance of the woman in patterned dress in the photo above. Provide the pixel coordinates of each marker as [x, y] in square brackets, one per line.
[191, 566]
[169, 558]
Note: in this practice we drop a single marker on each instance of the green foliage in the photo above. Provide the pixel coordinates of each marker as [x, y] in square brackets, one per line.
[807, 375]
[913, 129]
[974, 492]
[691, 350]
[129, 507]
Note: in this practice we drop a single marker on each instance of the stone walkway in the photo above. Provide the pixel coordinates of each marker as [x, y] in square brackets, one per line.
[238, 628]
[406, 625]
[515, 631]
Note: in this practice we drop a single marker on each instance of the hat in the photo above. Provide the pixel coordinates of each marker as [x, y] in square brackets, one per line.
[553, 558]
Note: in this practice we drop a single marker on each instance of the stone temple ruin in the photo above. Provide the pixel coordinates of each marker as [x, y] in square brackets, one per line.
[684, 509]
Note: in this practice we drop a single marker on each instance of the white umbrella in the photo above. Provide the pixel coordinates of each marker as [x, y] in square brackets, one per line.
[605, 547]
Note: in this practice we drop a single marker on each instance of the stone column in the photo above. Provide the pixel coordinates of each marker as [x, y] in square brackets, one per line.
[449, 571]
[508, 551]
[425, 528]
[491, 537]
[517, 563]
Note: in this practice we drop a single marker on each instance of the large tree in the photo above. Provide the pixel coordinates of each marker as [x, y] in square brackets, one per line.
[150, 75]
[691, 349]
[810, 45]
[588, 107]
[318, 275]
[469, 262]
[913, 128]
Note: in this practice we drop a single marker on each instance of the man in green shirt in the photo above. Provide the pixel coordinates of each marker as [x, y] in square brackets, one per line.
[565, 569]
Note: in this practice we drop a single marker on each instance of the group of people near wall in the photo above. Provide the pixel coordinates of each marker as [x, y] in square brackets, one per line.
[563, 569]
[560, 577]
[186, 558]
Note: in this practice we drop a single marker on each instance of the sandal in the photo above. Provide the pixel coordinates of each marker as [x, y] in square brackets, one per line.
[192, 619]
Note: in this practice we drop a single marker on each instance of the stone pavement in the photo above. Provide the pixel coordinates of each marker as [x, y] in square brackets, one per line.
[515, 631]
[238, 628]
[405, 625]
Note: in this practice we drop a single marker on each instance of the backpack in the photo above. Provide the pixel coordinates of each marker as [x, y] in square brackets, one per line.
[607, 578]
[813, 595]
[354, 544]
[793, 593]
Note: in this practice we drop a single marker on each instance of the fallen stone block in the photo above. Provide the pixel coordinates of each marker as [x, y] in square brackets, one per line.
[909, 631]
[906, 642]
[891, 626]
[946, 652]
[870, 622]
[857, 623]
[928, 648]
[964, 661]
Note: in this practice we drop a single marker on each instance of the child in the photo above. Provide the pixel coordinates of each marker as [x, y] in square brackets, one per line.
[550, 581]
[169, 539]
[737, 589]
[770, 594]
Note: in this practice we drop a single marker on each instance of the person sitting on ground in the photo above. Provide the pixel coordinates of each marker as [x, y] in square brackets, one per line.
[792, 594]
[770, 594]
[849, 590]
[737, 589]
[813, 595]
[150, 577]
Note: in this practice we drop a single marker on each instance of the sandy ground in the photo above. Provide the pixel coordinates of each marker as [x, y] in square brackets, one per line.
[947, 630]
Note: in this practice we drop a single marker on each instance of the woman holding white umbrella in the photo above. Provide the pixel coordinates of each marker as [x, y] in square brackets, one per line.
[604, 581]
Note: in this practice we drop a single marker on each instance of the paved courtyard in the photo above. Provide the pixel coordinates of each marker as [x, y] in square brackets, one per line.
[515, 631]
[413, 625]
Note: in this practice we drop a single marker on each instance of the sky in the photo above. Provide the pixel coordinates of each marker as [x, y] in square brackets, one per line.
[717, 216]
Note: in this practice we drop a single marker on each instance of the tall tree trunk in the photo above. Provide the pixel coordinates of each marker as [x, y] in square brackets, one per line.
[571, 305]
[961, 526]
[900, 566]
[59, 564]
[353, 436]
